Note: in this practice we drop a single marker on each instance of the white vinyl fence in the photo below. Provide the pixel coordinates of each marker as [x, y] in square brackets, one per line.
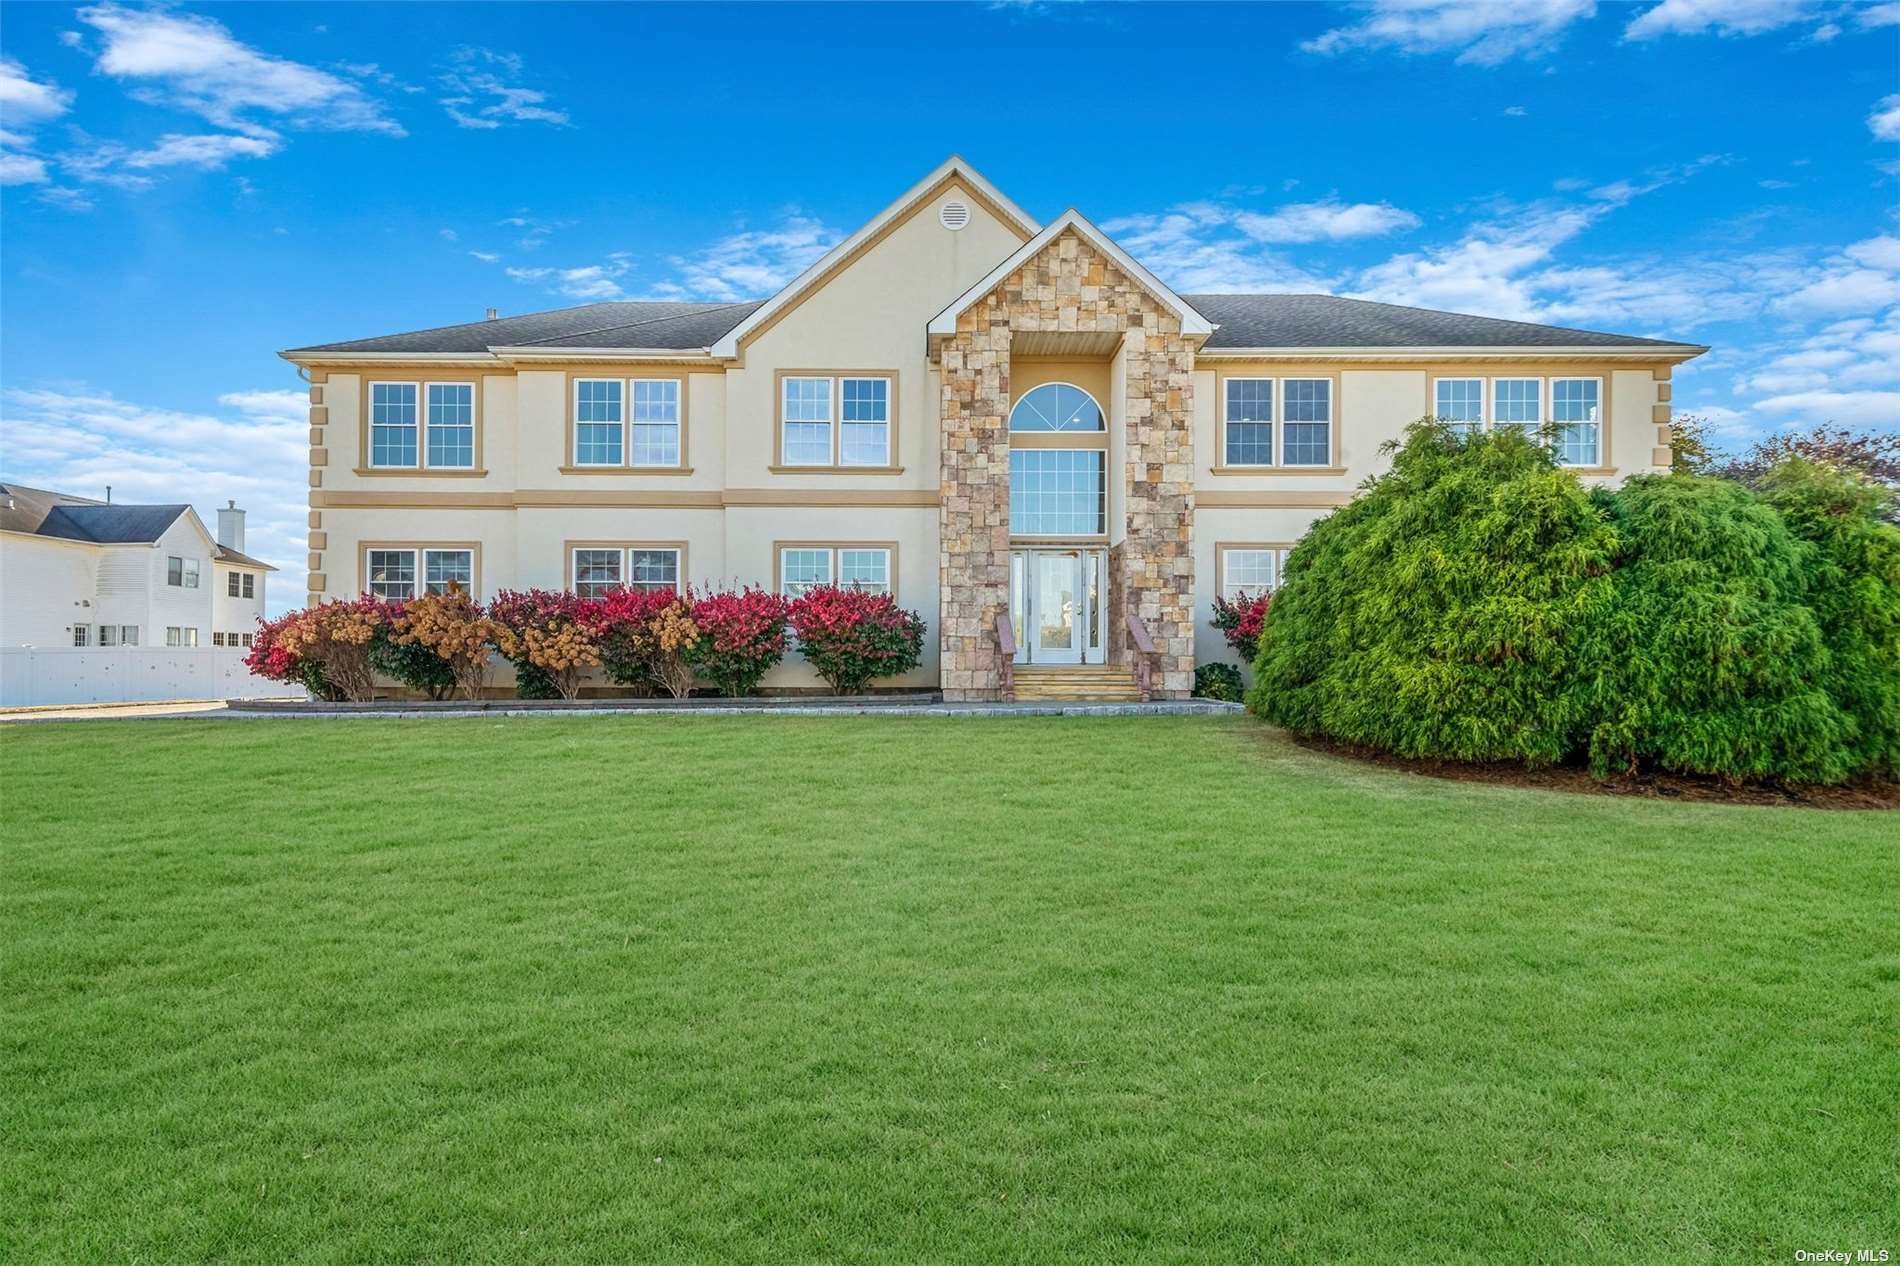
[34, 675]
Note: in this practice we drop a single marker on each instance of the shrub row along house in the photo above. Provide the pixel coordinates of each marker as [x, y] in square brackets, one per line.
[1012, 427]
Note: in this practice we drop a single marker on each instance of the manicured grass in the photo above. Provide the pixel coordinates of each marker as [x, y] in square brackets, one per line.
[912, 990]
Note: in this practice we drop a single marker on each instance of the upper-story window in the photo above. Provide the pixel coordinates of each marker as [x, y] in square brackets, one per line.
[1572, 425]
[832, 422]
[627, 423]
[1518, 402]
[181, 573]
[1302, 409]
[398, 437]
[1249, 415]
[1459, 403]
[1056, 406]
[240, 584]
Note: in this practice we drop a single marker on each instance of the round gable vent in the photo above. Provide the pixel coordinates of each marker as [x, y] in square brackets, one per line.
[953, 215]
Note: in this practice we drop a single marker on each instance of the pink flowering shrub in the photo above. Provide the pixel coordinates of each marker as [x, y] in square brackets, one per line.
[1242, 621]
[851, 636]
[740, 637]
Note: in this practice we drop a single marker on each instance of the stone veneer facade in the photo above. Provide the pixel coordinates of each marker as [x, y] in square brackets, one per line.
[1069, 287]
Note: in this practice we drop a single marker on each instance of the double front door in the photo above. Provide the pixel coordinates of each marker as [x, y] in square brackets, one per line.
[1058, 605]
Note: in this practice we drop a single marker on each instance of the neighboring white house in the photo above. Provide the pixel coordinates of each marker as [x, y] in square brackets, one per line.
[102, 602]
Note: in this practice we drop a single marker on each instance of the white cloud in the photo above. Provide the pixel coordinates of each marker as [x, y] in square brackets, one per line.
[592, 281]
[194, 64]
[1884, 122]
[752, 263]
[487, 257]
[1515, 112]
[1331, 220]
[1722, 17]
[1482, 32]
[486, 92]
[1849, 408]
[25, 103]
[254, 449]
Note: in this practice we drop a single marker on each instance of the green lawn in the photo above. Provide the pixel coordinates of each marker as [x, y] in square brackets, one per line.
[905, 990]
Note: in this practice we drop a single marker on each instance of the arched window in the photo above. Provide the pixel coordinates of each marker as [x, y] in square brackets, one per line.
[1056, 406]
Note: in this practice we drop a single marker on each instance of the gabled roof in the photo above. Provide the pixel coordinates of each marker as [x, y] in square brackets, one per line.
[638, 325]
[61, 516]
[789, 295]
[40, 512]
[1328, 321]
[1192, 322]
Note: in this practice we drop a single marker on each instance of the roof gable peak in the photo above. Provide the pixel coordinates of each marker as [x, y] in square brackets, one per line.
[1193, 324]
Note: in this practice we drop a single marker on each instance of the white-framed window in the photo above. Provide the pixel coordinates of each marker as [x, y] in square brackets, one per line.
[802, 569]
[82, 635]
[1056, 406]
[597, 571]
[1459, 403]
[451, 425]
[805, 421]
[1518, 402]
[864, 428]
[1576, 414]
[181, 636]
[118, 635]
[391, 573]
[652, 570]
[599, 421]
[1306, 421]
[248, 638]
[181, 572]
[656, 421]
[867, 568]
[1058, 491]
[108, 635]
[441, 567]
[217, 638]
[392, 424]
[240, 584]
[1248, 414]
[231, 584]
[1249, 569]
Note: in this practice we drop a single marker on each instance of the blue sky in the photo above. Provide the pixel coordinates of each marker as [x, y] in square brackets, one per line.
[190, 189]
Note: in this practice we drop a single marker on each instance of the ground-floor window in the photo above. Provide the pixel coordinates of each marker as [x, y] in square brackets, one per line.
[1249, 569]
[181, 636]
[806, 565]
[231, 639]
[392, 572]
[598, 568]
[82, 635]
[118, 635]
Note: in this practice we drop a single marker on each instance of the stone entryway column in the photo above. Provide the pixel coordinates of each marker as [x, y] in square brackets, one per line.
[973, 535]
[1157, 556]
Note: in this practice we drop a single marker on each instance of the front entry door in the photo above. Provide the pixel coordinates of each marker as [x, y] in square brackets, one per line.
[1055, 605]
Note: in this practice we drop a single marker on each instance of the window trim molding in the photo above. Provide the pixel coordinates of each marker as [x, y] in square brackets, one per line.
[1484, 398]
[1279, 378]
[420, 380]
[568, 579]
[422, 582]
[1280, 549]
[779, 466]
[683, 377]
[778, 559]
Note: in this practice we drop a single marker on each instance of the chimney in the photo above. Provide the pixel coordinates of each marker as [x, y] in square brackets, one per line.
[493, 315]
[231, 527]
[108, 494]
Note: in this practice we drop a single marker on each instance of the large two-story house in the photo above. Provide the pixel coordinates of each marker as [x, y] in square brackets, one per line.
[1014, 427]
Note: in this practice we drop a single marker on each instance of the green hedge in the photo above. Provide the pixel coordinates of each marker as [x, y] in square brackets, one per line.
[1478, 603]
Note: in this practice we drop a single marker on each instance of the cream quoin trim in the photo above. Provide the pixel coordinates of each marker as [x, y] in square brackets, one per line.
[1193, 324]
[952, 168]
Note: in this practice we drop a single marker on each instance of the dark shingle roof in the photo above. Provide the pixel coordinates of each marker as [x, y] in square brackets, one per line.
[629, 326]
[225, 554]
[1330, 321]
[23, 509]
[110, 525]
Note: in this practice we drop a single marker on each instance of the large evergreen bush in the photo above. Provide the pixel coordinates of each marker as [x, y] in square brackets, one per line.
[1477, 602]
[1443, 612]
[1712, 661]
